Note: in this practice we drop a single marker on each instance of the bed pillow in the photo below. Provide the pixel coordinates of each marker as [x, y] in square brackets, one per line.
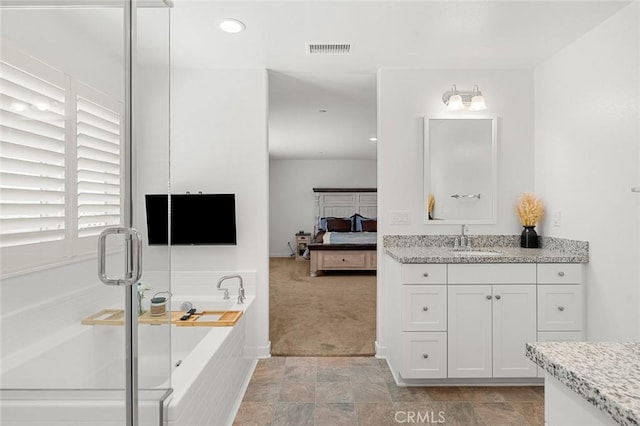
[369, 225]
[339, 225]
[356, 222]
[323, 223]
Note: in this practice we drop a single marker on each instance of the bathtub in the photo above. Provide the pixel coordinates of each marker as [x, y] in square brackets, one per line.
[208, 370]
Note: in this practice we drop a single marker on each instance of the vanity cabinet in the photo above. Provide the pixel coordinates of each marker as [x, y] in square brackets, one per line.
[471, 321]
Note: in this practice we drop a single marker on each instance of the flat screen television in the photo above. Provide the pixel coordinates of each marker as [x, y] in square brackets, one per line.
[196, 219]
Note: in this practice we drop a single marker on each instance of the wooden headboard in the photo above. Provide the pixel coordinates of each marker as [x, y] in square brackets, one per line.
[345, 202]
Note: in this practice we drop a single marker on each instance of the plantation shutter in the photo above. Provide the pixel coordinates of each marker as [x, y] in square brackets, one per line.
[99, 165]
[32, 157]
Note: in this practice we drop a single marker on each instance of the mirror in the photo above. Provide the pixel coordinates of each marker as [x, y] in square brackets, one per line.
[460, 170]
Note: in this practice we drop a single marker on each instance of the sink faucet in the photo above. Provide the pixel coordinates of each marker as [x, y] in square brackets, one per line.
[462, 242]
[226, 291]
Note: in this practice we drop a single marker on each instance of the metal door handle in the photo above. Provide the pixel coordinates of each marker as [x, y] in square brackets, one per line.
[498, 297]
[133, 256]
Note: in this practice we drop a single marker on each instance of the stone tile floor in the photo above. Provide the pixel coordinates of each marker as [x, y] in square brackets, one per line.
[360, 391]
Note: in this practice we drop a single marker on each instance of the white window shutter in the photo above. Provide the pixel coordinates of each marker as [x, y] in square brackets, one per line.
[99, 164]
[32, 157]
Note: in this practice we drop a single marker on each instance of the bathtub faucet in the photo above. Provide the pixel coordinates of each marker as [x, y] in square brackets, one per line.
[240, 287]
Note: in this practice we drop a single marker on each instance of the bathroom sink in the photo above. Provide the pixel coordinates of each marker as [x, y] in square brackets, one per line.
[477, 253]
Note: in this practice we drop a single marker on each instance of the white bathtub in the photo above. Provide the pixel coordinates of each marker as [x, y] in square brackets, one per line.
[202, 359]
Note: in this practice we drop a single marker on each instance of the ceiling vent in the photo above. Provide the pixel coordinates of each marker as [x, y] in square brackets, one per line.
[328, 48]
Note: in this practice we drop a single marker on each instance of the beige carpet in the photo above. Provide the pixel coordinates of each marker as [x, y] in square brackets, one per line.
[329, 315]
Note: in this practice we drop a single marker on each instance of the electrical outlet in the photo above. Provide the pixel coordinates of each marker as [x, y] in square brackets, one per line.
[556, 218]
[399, 217]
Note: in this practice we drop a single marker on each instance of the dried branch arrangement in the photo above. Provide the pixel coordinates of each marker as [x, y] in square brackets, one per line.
[431, 203]
[530, 209]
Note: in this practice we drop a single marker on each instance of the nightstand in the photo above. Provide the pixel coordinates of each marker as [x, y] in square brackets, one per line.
[302, 241]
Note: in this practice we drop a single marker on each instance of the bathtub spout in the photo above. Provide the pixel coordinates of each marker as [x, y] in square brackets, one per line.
[241, 296]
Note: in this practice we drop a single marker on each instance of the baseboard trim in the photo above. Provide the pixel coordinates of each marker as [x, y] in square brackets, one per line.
[381, 351]
[259, 352]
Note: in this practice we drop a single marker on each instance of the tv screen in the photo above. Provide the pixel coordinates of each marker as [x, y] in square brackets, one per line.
[196, 219]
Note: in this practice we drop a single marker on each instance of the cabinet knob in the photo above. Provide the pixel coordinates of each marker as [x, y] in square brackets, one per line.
[425, 308]
[343, 260]
[425, 356]
[561, 308]
[426, 274]
[498, 297]
[488, 297]
[561, 274]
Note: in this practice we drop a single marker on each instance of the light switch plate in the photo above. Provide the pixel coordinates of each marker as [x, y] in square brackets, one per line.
[399, 217]
[556, 218]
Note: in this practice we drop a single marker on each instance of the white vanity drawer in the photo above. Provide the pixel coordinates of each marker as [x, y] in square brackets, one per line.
[560, 273]
[559, 307]
[424, 308]
[424, 355]
[424, 273]
[495, 273]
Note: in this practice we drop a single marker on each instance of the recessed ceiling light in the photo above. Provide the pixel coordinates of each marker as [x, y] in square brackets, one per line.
[373, 139]
[322, 110]
[230, 25]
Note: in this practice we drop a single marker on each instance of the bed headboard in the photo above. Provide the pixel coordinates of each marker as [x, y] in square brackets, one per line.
[345, 202]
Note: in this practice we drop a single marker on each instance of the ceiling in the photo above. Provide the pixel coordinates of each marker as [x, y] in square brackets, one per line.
[383, 34]
[322, 115]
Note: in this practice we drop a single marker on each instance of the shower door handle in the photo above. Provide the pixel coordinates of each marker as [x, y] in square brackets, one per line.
[133, 256]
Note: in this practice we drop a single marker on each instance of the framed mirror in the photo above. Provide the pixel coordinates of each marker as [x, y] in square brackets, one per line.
[460, 170]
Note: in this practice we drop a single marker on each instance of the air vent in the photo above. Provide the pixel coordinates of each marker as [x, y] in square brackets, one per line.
[328, 48]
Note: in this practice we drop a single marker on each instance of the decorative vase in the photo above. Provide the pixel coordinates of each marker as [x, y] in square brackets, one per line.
[529, 237]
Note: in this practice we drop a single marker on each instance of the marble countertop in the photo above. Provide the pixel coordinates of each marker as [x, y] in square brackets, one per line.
[485, 249]
[606, 375]
[506, 255]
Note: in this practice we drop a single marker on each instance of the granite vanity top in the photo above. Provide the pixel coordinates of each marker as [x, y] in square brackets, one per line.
[607, 375]
[498, 249]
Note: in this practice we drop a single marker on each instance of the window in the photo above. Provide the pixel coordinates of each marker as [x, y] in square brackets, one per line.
[60, 164]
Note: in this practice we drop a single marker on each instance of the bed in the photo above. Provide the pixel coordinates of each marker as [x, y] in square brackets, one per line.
[338, 245]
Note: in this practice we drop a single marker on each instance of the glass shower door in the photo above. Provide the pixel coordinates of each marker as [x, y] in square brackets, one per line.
[69, 154]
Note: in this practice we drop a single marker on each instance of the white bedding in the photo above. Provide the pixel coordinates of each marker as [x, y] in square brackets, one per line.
[349, 238]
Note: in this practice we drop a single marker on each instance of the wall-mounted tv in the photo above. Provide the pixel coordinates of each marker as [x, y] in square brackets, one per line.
[196, 219]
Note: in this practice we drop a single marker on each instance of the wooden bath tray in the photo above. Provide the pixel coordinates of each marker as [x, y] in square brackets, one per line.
[199, 319]
[116, 317]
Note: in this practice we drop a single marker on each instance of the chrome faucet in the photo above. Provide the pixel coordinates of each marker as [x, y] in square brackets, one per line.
[462, 242]
[241, 297]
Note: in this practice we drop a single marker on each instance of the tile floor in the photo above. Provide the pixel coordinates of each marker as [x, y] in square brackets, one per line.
[360, 391]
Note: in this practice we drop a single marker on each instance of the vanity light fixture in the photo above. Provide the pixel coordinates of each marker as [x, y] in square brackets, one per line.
[230, 25]
[457, 100]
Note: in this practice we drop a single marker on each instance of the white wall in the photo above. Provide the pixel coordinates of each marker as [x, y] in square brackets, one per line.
[406, 95]
[587, 154]
[219, 145]
[291, 197]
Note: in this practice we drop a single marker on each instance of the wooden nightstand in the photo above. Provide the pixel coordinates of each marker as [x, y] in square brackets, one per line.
[302, 241]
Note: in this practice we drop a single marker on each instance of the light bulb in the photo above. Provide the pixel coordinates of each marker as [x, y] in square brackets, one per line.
[477, 103]
[455, 103]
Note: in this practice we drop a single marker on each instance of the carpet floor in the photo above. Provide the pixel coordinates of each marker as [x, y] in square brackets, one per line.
[329, 315]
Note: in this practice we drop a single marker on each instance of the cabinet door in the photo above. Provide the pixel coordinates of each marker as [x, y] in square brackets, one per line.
[514, 324]
[424, 308]
[559, 307]
[424, 355]
[469, 339]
